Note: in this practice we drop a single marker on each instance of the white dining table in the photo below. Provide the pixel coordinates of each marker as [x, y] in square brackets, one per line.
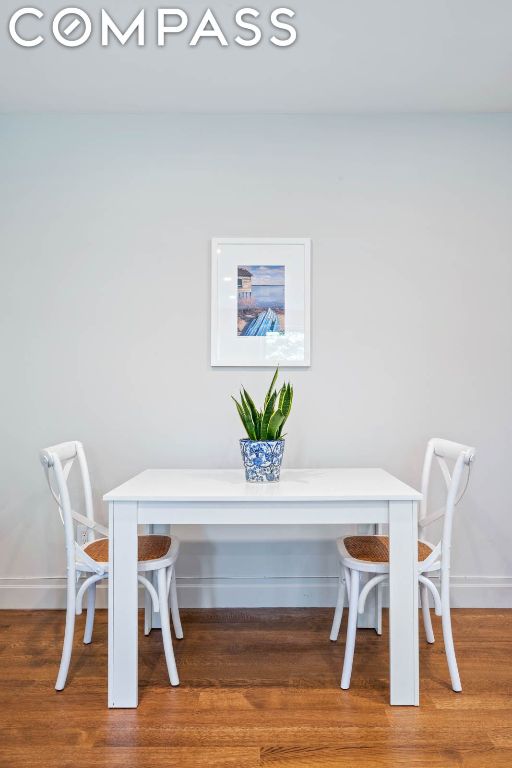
[223, 497]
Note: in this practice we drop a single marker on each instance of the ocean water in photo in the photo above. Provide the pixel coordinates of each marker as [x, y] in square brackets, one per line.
[268, 295]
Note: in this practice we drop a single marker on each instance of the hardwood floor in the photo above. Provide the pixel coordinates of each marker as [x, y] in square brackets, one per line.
[259, 687]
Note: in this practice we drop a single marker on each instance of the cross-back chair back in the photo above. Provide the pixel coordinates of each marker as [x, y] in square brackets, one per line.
[57, 462]
[439, 452]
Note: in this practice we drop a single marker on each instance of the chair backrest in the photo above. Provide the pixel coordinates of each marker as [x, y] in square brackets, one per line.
[461, 458]
[57, 461]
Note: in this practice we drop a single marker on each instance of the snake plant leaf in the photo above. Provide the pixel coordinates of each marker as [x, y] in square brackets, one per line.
[285, 407]
[248, 426]
[281, 397]
[240, 412]
[244, 405]
[246, 421]
[255, 414]
[252, 415]
[267, 414]
[248, 413]
[274, 425]
[269, 393]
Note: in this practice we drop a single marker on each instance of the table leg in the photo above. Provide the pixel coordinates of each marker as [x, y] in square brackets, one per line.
[403, 602]
[122, 605]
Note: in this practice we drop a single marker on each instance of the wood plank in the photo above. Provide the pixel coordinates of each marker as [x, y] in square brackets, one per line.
[368, 757]
[142, 757]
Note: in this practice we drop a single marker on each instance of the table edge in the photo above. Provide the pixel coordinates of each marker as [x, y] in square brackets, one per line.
[116, 494]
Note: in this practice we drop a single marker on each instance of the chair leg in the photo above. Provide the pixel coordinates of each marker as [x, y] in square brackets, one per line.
[379, 529]
[148, 611]
[338, 613]
[68, 635]
[450, 649]
[351, 630]
[166, 627]
[148, 603]
[91, 605]
[346, 572]
[378, 609]
[425, 608]
[175, 611]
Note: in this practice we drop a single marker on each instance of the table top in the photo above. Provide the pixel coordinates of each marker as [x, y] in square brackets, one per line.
[229, 485]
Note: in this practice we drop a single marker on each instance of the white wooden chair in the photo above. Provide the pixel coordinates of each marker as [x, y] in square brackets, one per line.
[370, 555]
[87, 558]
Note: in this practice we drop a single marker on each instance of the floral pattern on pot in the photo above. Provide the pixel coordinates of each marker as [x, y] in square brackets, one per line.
[262, 459]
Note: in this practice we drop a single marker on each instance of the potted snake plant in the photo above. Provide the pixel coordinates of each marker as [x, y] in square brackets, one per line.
[263, 448]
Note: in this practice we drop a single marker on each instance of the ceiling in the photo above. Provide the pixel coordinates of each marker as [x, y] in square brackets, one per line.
[351, 56]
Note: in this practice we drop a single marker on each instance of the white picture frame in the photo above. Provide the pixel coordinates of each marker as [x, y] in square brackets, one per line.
[260, 301]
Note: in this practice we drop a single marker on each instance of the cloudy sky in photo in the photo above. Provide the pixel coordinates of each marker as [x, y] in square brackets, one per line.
[264, 274]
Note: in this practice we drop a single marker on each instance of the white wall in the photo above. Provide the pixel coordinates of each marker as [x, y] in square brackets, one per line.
[104, 324]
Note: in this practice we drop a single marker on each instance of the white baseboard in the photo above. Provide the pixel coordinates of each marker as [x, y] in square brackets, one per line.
[466, 592]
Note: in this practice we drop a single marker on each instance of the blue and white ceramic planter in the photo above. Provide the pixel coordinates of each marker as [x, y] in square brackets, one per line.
[262, 459]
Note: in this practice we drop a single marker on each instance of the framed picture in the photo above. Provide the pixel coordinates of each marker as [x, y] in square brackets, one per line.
[260, 301]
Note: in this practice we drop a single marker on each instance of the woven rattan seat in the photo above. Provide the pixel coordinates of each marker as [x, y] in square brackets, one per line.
[149, 548]
[375, 549]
